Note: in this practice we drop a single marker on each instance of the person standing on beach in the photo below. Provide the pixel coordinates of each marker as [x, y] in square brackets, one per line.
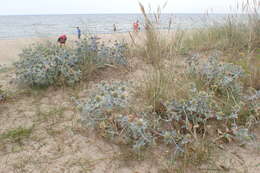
[135, 26]
[78, 32]
[114, 27]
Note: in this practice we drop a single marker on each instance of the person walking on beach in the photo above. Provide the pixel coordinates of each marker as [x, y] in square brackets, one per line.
[114, 27]
[78, 32]
[62, 40]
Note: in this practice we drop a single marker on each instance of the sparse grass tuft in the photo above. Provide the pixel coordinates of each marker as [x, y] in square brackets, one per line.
[236, 33]
[53, 114]
[17, 135]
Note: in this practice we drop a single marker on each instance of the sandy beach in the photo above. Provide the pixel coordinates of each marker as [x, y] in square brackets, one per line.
[10, 49]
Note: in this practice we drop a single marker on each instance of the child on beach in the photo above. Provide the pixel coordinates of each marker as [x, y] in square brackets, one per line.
[62, 40]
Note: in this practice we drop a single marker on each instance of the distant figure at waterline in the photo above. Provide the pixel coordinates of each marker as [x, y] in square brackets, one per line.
[114, 27]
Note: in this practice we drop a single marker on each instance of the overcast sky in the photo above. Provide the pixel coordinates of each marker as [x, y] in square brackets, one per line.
[110, 6]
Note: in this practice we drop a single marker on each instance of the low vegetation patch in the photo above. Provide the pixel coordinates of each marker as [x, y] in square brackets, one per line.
[16, 135]
[188, 112]
[215, 108]
[46, 64]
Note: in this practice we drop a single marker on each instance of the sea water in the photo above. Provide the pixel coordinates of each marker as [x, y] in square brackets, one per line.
[12, 27]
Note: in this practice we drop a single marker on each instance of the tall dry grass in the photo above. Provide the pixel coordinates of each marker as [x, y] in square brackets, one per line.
[159, 50]
[154, 46]
[235, 33]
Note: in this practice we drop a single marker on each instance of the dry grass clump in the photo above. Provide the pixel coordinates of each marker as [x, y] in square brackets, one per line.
[157, 86]
[238, 33]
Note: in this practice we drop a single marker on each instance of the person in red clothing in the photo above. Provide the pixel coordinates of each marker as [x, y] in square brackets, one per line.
[136, 26]
[62, 39]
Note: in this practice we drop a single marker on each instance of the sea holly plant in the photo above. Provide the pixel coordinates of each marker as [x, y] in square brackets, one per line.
[102, 111]
[112, 55]
[222, 78]
[105, 98]
[110, 112]
[46, 64]
[136, 131]
[102, 53]
[105, 111]
[232, 102]
[110, 95]
[197, 109]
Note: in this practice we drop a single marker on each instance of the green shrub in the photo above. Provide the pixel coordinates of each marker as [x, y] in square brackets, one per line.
[223, 81]
[110, 112]
[222, 78]
[48, 64]
[105, 98]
